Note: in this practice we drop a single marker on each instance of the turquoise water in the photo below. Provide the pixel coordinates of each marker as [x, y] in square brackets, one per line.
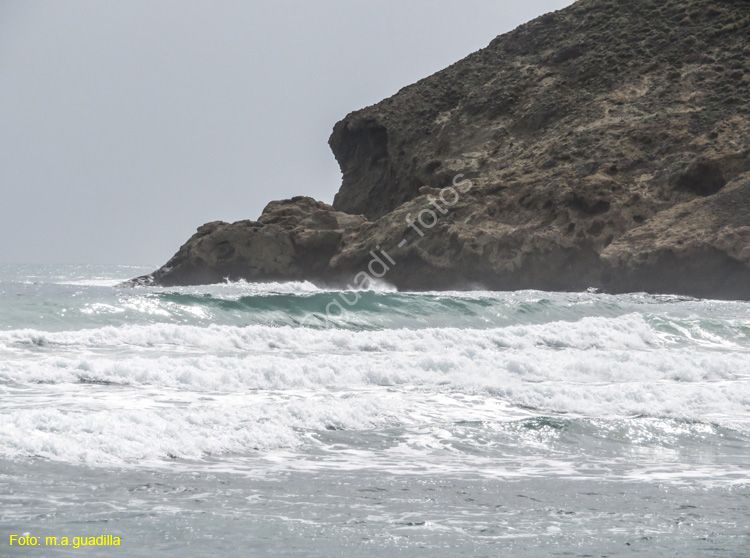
[245, 420]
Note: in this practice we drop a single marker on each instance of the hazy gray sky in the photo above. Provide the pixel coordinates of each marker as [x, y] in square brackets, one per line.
[126, 124]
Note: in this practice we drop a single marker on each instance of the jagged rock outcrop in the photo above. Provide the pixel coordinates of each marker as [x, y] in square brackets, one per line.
[292, 240]
[607, 145]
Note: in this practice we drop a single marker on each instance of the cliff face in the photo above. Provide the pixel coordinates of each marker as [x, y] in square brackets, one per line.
[627, 84]
[607, 145]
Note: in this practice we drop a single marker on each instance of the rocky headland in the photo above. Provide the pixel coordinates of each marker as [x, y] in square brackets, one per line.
[605, 145]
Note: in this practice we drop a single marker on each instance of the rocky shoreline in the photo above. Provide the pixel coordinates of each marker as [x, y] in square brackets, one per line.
[606, 145]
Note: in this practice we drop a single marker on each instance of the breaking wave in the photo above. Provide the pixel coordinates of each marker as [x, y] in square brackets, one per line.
[116, 376]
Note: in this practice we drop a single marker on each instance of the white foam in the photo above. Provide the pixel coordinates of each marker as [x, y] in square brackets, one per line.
[108, 282]
[100, 425]
[595, 367]
[192, 392]
[236, 289]
[625, 332]
[414, 431]
[631, 332]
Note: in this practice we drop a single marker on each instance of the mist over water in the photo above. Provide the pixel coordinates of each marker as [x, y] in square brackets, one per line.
[195, 421]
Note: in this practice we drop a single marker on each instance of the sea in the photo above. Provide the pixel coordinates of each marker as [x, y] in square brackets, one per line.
[246, 420]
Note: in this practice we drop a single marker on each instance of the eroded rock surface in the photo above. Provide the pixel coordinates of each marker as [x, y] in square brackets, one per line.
[292, 240]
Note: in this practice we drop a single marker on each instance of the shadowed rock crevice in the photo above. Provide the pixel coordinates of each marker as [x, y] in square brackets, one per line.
[702, 179]
[365, 163]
